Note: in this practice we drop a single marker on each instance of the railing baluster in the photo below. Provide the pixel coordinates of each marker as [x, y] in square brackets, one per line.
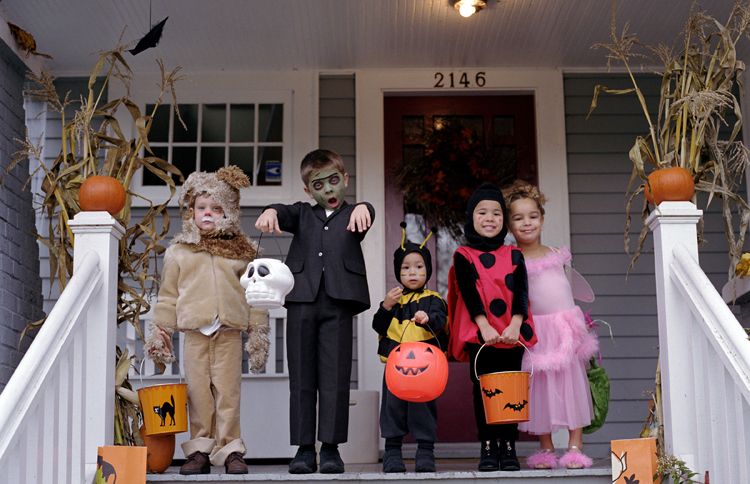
[702, 403]
[62, 452]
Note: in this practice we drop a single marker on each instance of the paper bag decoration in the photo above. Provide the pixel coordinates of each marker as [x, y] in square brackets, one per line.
[120, 464]
[634, 461]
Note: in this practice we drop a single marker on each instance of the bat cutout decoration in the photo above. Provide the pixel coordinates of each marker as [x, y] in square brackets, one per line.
[517, 407]
[150, 39]
[491, 393]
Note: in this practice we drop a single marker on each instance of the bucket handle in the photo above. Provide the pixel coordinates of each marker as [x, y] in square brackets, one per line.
[140, 371]
[476, 358]
[426, 325]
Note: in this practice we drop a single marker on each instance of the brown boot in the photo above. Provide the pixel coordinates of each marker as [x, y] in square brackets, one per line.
[196, 463]
[235, 464]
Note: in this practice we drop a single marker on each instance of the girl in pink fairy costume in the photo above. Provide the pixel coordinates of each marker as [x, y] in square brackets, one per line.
[560, 397]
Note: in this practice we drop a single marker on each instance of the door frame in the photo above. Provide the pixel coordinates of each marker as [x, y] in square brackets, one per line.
[371, 86]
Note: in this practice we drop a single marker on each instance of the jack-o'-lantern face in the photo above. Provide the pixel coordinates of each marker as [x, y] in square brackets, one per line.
[416, 372]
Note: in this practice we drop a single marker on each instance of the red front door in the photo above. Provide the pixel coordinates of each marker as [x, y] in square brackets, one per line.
[501, 121]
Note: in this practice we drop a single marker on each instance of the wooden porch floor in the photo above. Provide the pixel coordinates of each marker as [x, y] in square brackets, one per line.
[456, 471]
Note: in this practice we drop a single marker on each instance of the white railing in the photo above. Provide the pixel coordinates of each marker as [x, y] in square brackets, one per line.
[704, 355]
[58, 406]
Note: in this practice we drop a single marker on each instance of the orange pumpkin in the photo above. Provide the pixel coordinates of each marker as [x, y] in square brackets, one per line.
[101, 193]
[159, 451]
[416, 372]
[672, 184]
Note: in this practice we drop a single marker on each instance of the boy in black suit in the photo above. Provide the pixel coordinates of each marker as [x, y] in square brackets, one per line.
[330, 288]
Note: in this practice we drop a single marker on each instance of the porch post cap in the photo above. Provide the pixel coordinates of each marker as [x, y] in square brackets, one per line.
[674, 213]
[96, 222]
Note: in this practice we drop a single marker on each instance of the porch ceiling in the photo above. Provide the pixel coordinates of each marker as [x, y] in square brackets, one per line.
[344, 34]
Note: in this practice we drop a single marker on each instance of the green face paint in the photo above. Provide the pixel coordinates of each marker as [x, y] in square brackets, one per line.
[327, 187]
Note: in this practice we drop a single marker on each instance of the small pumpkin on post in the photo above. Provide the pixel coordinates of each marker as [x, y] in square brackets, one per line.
[673, 184]
[101, 193]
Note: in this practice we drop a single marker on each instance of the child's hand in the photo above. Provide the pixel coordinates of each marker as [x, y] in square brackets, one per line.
[489, 334]
[420, 318]
[268, 222]
[360, 220]
[392, 297]
[511, 333]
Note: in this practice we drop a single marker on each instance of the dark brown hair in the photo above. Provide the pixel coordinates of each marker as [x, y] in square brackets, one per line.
[319, 159]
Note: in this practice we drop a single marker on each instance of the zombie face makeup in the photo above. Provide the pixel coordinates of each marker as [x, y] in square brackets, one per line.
[327, 186]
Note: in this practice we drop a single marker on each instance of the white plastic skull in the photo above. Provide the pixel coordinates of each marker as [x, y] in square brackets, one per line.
[266, 283]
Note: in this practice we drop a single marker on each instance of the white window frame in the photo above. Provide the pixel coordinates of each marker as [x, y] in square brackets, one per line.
[295, 90]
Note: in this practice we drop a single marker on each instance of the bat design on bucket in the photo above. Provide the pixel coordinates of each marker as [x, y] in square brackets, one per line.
[516, 407]
[491, 393]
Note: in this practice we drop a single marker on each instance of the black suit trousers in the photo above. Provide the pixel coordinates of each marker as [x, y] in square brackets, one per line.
[319, 353]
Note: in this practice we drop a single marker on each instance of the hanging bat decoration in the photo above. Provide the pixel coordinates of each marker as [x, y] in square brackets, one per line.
[491, 393]
[517, 407]
[25, 41]
[150, 39]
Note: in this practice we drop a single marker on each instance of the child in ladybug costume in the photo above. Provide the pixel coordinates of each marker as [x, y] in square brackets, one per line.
[409, 314]
[488, 304]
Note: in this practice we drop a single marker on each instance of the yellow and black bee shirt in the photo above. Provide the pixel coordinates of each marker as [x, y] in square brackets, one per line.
[395, 326]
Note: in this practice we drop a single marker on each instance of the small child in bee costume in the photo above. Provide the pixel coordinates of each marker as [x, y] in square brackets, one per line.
[405, 315]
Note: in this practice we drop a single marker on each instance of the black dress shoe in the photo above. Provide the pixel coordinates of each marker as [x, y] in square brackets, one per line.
[303, 462]
[489, 456]
[330, 461]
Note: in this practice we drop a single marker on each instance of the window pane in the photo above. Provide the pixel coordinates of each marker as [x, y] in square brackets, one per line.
[149, 178]
[241, 122]
[270, 122]
[183, 157]
[212, 158]
[189, 114]
[269, 165]
[214, 122]
[160, 125]
[413, 129]
[242, 157]
[503, 126]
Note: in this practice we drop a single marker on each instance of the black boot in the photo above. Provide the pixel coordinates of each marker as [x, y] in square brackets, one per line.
[488, 459]
[393, 461]
[424, 461]
[304, 461]
[508, 458]
[330, 459]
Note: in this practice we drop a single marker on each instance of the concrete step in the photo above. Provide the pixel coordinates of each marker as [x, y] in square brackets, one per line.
[455, 471]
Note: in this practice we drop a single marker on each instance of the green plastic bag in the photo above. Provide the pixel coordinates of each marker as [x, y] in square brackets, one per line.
[599, 383]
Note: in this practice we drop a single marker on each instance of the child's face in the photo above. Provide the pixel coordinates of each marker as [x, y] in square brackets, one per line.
[488, 218]
[413, 271]
[525, 221]
[327, 186]
[206, 212]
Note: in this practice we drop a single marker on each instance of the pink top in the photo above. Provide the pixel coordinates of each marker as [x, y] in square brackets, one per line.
[547, 278]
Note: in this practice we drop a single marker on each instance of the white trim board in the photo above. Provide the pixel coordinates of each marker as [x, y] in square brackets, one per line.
[372, 85]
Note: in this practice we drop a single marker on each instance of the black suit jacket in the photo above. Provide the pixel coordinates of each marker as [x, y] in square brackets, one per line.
[322, 247]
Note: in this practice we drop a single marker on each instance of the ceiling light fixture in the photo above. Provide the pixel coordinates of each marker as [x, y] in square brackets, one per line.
[467, 8]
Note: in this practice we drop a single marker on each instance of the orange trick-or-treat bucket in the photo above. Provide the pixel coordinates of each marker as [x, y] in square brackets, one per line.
[164, 408]
[505, 395]
[416, 371]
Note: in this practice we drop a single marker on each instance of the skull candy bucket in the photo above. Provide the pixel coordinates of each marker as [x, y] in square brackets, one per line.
[266, 283]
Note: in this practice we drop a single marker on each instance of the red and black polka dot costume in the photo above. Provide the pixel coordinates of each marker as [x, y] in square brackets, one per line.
[493, 275]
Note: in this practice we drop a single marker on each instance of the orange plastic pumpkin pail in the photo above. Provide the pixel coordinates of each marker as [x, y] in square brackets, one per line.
[416, 372]
[505, 395]
[164, 408]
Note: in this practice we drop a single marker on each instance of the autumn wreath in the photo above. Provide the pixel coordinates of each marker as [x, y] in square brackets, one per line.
[456, 160]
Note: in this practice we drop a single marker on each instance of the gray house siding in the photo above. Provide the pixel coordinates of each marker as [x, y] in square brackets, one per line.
[20, 286]
[598, 174]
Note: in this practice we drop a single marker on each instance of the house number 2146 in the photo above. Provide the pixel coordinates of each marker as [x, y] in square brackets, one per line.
[456, 79]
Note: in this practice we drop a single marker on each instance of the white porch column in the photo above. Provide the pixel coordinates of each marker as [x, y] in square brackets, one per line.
[673, 223]
[99, 232]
